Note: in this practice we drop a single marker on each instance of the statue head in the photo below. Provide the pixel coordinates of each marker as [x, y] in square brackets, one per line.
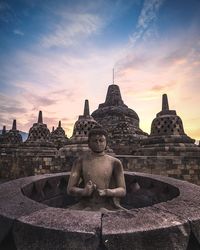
[97, 139]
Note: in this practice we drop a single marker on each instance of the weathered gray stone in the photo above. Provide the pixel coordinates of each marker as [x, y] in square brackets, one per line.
[51, 229]
[146, 228]
[14, 204]
[173, 222]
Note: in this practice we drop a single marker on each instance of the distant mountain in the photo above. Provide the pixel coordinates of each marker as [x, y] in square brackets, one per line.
[23, 134]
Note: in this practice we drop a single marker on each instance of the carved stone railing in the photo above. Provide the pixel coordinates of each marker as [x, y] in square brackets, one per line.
[162, 214]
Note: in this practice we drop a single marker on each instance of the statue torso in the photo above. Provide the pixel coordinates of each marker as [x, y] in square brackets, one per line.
[98, 169]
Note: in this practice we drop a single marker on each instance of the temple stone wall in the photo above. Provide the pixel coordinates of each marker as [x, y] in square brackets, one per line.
[6, 163]
[16, 165]
[181, 167]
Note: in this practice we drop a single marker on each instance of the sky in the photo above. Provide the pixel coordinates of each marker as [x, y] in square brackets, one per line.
[56, 54]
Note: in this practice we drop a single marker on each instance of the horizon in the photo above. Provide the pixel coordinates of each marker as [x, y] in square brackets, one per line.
[56, 55]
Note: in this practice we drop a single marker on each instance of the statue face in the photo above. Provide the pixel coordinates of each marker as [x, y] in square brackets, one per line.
[97, 143]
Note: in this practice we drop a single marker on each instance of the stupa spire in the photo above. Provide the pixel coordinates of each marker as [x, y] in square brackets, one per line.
[52, 129]
[59, 124]
[113, 97]
[14, 125]
[165, 105]
[4, 130]
[40, 119]
[86, 108]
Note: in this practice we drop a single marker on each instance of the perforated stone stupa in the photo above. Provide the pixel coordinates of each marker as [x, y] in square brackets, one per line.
[82, 126]
[167, 132]
[12, 137]
[39, 134]
[38, 152]
[78, 143]
[121, 122]
[58, 136]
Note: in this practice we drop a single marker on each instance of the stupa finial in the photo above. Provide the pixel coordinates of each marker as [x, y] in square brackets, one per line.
[4, 130]
[165, 105]
[113, 76]
[40, 119]
[59, 124]
[52, 129]
[86, 108]
[14, 125]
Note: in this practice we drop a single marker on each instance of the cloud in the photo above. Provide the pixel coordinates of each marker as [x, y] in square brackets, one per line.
[177, 55]
[70, 68]
[56, 83]
[10, 106]
[134, 60]
[149, 69]
[72, 28]
[4, 6]
[76, 23]
[149, 12]
[18, 32]
[160, 88]
[146, 21]
[8, 13]
[37, 100]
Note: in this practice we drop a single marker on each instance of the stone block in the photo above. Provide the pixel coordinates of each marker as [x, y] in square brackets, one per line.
[20, 205]
[147, 228]
[58, 229]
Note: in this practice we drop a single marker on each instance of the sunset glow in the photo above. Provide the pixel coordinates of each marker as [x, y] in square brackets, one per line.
[56, 54]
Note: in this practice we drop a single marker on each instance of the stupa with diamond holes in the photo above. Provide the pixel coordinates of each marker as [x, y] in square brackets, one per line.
[167, 134]
[12, 138]
[82, 126]
[78, 143]
[39, 134]
[58, 136]
[40, 152]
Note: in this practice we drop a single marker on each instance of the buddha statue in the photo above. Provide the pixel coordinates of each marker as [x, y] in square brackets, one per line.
[97, 178]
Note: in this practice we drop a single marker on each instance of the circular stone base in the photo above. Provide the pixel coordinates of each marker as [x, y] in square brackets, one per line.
[163, 213]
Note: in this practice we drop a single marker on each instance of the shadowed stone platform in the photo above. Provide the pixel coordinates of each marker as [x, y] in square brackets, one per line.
[162, 213]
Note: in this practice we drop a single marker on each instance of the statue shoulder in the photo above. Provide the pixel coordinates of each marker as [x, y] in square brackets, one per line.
[114, 159]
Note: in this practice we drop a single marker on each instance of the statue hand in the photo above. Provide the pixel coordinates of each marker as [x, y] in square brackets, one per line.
[102, 192]
[89, 188]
